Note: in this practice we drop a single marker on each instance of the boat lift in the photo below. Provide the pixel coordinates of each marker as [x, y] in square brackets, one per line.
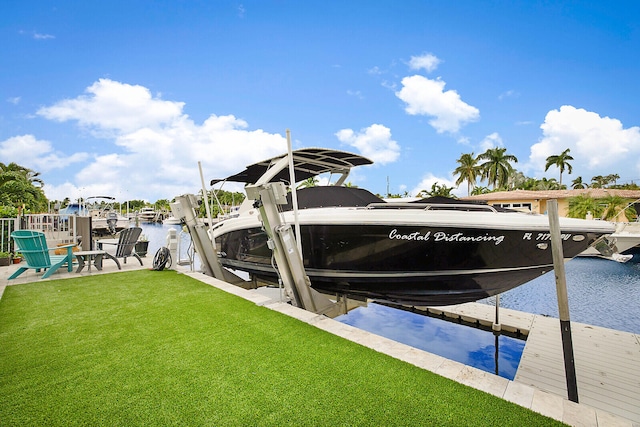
[281, 240]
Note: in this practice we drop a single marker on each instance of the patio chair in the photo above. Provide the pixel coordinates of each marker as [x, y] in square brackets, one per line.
[125, 246]
[33, 246]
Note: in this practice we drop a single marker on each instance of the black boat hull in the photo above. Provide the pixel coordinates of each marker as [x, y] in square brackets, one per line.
[415, 265]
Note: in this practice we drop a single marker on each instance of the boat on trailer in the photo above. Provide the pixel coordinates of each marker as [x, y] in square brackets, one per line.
[429, 252]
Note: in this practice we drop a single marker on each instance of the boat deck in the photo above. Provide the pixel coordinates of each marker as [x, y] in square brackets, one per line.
[607, 361]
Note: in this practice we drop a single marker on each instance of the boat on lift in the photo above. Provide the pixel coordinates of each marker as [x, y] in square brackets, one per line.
[429, 252]
[105, 220]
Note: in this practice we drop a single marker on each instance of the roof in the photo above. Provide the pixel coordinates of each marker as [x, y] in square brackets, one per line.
[307, 162]
[596, 193]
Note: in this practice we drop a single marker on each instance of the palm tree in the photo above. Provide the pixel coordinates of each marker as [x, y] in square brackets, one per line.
[438, 190]
[309, 182]
[577, 184]
[561, 161]
[497, 167]
[29, 174]
[581, 205]
[612, 178]
[598, 181]
[614, 206]
[468, 170]
[517, 180]
[547, 184]
[480, 190]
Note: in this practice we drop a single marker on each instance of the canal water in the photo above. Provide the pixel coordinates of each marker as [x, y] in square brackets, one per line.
[601, 293]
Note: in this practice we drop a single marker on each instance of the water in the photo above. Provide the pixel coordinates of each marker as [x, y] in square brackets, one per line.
[157, 233]
[465, 344]
[601, 293]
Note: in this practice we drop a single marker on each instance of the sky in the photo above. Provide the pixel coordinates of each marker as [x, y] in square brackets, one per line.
[128, 98]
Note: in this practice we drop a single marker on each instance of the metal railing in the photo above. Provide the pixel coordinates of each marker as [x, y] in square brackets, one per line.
[7, 226]
[58, 229]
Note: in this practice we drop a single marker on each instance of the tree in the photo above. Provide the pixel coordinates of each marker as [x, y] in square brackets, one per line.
[29, 174]
[598, 181]
[517, 180]
[438, 190]
[581, 205]
[612, 178]
[309, 182]
[577, 184]
[614, 206]
[497, 166]
[468, 170]
[561, 161]
[480, 190]
[17, 188]
[547, 184]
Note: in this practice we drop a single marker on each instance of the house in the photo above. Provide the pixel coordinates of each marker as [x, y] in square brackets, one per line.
[536, 201]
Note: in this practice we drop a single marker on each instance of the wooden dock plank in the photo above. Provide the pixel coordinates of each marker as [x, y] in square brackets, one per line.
[607, 365]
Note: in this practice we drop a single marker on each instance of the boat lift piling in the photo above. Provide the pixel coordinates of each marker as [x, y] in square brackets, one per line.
[185, 208]
[285, 249]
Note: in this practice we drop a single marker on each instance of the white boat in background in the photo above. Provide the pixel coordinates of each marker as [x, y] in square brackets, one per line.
[147, 215]
[171, 220]
[625, 238]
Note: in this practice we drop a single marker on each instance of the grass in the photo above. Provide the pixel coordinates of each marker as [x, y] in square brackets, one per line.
[158, 348]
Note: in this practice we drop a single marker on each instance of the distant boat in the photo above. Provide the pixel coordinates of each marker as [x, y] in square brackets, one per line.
[171, 220]
[105, 220]
[147, 215]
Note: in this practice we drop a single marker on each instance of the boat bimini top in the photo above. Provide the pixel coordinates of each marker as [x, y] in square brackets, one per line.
[307, 162]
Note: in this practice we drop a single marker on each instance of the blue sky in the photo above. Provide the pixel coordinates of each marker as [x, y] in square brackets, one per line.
[124, 98]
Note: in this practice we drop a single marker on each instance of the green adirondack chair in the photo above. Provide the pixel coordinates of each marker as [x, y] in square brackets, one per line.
[33, 246]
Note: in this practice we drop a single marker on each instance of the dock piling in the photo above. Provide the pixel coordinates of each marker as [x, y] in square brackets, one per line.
[563, 300]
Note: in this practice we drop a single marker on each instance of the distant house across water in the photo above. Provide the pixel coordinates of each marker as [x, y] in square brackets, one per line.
[536, 201]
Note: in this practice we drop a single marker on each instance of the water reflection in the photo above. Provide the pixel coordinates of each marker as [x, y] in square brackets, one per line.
[465, 344]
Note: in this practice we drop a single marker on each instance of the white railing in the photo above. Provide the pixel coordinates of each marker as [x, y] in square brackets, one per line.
[58, 229]
[7, 226]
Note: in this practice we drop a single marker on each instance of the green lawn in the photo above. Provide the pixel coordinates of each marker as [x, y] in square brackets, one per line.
[159, 348]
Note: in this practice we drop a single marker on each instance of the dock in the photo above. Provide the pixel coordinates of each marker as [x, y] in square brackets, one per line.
[607, 361]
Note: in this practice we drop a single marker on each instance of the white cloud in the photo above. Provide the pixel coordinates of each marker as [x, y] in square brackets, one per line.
[427, 61]
[159, 145]
[373, 142]
[113, 106]
[38, 155]
[508, 94]
[601, 144]
[14, 100]
[40, 36]
[355, 93]
[427, 97]
[493, 140]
